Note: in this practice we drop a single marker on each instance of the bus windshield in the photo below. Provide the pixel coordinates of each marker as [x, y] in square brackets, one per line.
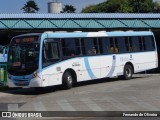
[23, 55]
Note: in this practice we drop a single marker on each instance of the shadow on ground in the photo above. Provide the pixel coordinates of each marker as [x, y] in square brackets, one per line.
[39, 91]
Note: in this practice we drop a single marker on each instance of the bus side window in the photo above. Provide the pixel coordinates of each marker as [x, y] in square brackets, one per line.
[111, 50]
[149, 43]
[116, 45]
[123, 45]
[111, 45]
[51, 53]
[104, 45]
[116, 50]
[89, 46]
[70, 47]
[135, 43]
[94, 51]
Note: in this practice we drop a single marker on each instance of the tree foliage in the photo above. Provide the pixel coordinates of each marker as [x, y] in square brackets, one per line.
[69, 9]
[123, 6]
[30, 7]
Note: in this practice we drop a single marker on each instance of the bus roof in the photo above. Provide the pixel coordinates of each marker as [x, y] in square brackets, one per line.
[96, 34]
[89, 34]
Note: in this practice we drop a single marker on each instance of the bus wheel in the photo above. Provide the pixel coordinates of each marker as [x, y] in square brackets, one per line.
[67, 80]
[128, 72]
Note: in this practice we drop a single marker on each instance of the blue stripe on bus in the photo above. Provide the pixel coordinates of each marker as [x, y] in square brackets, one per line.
[112, 67]
[88, 68]
[90, 72]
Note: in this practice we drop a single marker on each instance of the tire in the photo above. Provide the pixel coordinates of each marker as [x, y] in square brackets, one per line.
[128, 72]
[67, 80]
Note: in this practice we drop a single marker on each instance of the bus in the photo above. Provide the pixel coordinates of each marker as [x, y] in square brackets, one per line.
[64, 58]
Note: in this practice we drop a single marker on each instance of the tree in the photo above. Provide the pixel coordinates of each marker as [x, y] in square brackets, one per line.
[69, 9]
[30, 7]
[109, 6]
[123, 6]
[90, 9]
[156, 7]
[120, 6]
[143, 6]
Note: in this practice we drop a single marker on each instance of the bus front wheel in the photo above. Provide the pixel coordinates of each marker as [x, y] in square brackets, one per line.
[128, 72]
[67, 80]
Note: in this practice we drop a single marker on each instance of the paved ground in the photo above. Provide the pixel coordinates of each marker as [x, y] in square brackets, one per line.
[142, 93]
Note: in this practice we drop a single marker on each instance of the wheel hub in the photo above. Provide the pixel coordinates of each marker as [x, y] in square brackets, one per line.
[128, 72]
[69, 79]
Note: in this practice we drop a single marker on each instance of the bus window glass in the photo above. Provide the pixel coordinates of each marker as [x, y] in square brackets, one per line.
[70, 47]
[104, 45]
[89, 46]
[122, 47]
[128, 45]
[23, 56]
[50, 53]
[149, 43]
[116, 49]
[141, 44]
[112, 46]
[135, 43]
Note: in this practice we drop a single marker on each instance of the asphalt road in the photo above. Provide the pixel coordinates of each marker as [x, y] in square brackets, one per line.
[142, 93]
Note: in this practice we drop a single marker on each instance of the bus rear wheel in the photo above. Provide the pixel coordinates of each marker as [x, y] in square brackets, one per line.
[67, 80]
[128, 72]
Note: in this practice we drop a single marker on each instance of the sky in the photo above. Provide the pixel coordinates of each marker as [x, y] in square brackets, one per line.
[14, 6]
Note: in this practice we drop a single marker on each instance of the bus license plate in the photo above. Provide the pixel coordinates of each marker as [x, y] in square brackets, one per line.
[21, 82]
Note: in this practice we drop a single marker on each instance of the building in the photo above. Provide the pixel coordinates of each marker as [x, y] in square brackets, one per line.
[54, 7]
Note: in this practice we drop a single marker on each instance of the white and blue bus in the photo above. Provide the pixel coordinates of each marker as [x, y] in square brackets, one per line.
[54, 58]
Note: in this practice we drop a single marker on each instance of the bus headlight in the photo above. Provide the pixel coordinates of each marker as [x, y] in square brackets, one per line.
[34, 74]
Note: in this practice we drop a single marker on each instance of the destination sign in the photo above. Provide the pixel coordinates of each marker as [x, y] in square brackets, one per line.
[25, 40]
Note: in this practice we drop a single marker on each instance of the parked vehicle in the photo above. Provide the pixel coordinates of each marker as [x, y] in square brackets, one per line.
[48, 59]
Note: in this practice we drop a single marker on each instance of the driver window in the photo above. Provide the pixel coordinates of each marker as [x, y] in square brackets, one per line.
[50, 53]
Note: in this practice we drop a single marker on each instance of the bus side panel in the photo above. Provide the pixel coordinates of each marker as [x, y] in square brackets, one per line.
[50, 76]
[144, 61]
[91, 68]
[36, 82]
[53, 74]
[121, 60]
[108, 65]
[113, 65]
[74, 64]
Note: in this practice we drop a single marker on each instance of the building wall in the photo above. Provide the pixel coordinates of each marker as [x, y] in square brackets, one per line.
[54, 7]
